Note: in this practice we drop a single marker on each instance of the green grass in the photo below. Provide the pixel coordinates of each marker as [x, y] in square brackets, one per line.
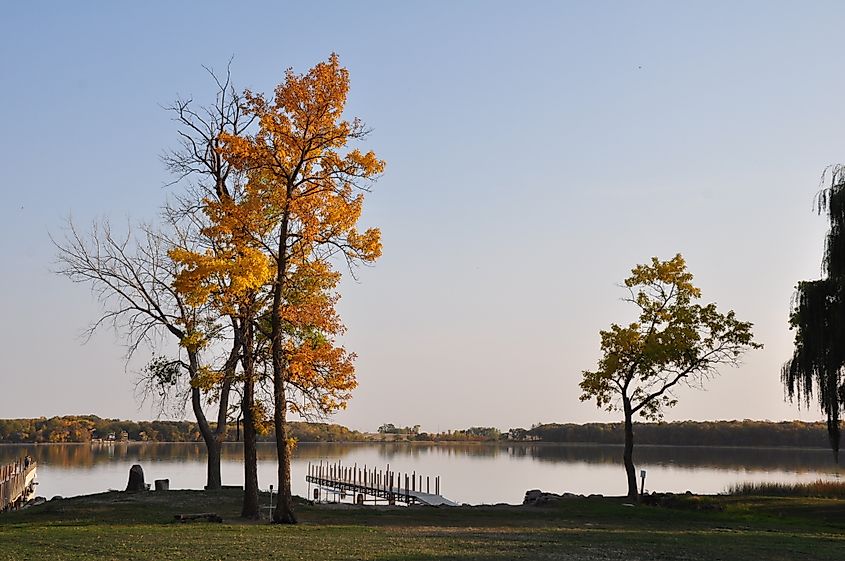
[820, 488]
[141, 527]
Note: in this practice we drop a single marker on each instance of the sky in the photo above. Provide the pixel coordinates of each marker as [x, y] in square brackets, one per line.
[535, 153]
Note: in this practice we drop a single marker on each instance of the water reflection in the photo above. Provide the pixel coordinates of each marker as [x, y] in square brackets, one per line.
[471, 472]
[80, 456]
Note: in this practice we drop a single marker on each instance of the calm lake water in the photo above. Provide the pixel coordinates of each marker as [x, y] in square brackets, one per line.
[470, 473]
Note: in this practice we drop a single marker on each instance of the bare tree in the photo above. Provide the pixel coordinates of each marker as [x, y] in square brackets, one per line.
[132, 277]
[198, 156]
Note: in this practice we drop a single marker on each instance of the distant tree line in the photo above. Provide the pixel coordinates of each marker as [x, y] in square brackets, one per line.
[390, 428]
[683, 433]
[87, 428]
[472, 434]
[389, 431]
[317, 432]
[686, 433]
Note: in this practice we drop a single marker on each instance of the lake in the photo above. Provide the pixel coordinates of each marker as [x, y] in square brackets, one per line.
[474, 473]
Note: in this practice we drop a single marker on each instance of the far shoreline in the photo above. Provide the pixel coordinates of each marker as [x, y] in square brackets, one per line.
[497, 443]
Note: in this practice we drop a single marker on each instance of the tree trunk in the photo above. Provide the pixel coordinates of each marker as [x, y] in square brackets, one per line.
[833, 435]
[213, 438]
[212, 445]
[213, 480]
[628, 455]
[250, 505]
[283, 513]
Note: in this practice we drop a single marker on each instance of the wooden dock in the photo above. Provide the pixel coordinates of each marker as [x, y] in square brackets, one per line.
[364, 484]
[17, 483]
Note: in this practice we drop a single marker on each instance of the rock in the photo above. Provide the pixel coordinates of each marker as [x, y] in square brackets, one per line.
[162, 484]
[136, 479]
[532, 495]
[57, 498]
[535, 497]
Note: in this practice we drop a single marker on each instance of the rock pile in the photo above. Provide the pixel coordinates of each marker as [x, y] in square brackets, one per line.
[536, 497]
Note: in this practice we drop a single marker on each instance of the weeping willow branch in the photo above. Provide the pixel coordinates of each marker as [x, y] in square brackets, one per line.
[816, 371]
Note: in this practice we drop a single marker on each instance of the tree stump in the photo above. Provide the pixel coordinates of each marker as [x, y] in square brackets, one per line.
[136, 479]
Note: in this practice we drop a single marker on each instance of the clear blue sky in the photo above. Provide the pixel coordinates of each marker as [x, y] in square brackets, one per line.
[536, 152]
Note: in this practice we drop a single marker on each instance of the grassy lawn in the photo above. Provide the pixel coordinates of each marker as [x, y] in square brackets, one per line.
[141, 527]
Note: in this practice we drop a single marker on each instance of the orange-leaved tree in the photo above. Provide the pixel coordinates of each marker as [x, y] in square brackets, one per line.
[309, 184]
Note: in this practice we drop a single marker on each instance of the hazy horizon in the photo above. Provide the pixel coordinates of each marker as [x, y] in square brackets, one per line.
[534, 156]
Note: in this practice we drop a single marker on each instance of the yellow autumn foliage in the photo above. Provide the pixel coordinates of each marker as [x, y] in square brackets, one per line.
[293, 218]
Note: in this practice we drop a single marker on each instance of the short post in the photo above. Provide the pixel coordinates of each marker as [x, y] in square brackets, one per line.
[642, 481]
[270, 510]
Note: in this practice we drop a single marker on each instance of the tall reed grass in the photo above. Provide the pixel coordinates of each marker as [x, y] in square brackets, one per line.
[832, 489]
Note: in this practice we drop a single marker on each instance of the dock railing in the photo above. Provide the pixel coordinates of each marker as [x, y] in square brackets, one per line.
[375, 483]
[17, 482]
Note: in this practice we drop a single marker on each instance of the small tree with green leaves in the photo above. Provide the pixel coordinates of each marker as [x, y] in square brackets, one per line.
[674, 342]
